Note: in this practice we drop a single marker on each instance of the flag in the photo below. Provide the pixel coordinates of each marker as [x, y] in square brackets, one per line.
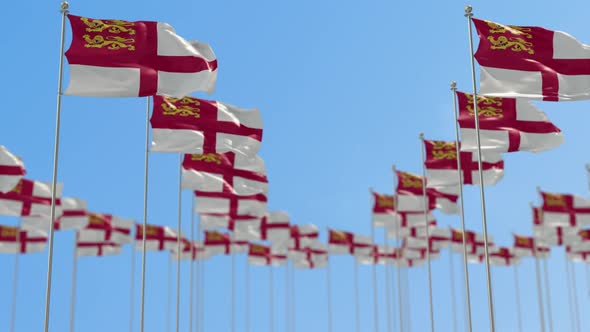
[158, 238]
[564, 210]
[224, 173]
[74, 216]
[505, 125]
[578, 256]
[554, 236]
[264, 255]
[422, 252]
[310, 257]
[410, 196]
[16, 240]
[192, 125]
[504, 256]
[528, 246]
[417, 230]
[217, 243]
[349, 243]
[273, 227]
[531, 62]
[581, 241]
[221, 221]
[409, 262]
[441, 166]
[106, 228]
[30, 198]
[474, 241]
[97, 248]
[303, 236]
[116, 58]
[383, 210]
[232, 205]
[408, 223]
[190, 250]
[378, 255]
[12, 170]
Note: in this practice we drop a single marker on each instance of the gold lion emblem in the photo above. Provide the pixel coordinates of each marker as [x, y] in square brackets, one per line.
[112, 26]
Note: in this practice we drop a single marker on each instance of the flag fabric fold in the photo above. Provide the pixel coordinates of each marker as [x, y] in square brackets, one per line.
[230, 205]
[157, 238]
[264, 255]
[30, 198]
[348, 243]
[274, 227]
[410, 196]
[12, 170]
[74, 216]
[97, 248]
[564, 210]
[106, 228]
[17, 240]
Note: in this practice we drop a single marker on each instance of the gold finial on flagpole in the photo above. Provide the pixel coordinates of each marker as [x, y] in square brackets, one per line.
[453, 85]
[468, 11]
[64, 7]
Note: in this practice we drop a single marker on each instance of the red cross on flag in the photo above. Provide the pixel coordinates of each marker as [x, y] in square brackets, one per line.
[231, 205]
[378, 255]
[192, 125]
[274, 227]
[441, 165]
[74, 216]
[217, 243]
[190, 250]
[409, 262]
[410, 196]
[30, 198]
[581, 242]
[310, 257]
[528, 246]
[157, 238]
[531, 62]
[564, 210]
[349, 243]
[17, 240]
[97, 249]
[504, 256]
[12, 170]
[115, 58]
[106, 228]
[417, 230]
[554, 236]
[224, 173]
[303, 236]
[264, 255]
[220, 221]
[506, 125]
[475, 242]
[578, 256]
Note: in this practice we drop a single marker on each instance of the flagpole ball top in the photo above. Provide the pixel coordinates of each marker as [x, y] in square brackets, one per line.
[453, 85]
[468, 11]
[421, 135]
[64, 6]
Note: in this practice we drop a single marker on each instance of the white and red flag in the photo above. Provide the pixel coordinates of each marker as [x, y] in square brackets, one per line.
[417, 230]
[531, 62]
[528, 246]
[385, 215]
[378, 255]
[303, 236]
[349, 243]
[259, 254]
[410, 196]
[157, 238]
[582, 256]
[17, 240]
[475, 243]
[192, 125]
[555, 235]
[217, 243]
[12, 170]
[228, 172]
[564, 210]
[97, 248]
[30, 198]
[310, 257]
[116, 58]
[222, 221]
[410, 262]
[74, 216]
[106, 228]
[441, 166]
[230, 205]
[581, 241]
[505, 125]
[274, 227]
[190, 250]
[504, 256]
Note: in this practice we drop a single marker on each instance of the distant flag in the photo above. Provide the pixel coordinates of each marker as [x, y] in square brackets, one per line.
[506, 125]
[97, 248]
[217, 243]
[378, 255]
[157, 238]
[581, 241]
[16, 240]
[528, 246]
[115, 58]
[310, 257]
[12, 170]
[222, 221]
[259, 254]
[230, 205]
[106, 228]
[441, 166]
[416, 230]
[410, 262]
[224, 173]
[555, 235]
[274, 227]
[385, 214]
[504, 256]
[349, 243]
[74, 216]
[303, 236]
[192, 125]
[531, 62]
[30, 198]
[564, 210]
[582, 256]
[474, 241]
[410, 196]
[190, 250]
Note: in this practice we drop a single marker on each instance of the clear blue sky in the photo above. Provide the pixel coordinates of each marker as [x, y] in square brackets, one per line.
[344, 88]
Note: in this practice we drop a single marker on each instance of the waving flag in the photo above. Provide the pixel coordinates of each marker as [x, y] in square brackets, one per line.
[12, 170]
[190, 250]
[378, 255]
[224, 173]
[97, 249]
[506, 125]
[192, 125]
[531, 62]
[349, 243]
[16, 240]
[115, 58]
[564, 210]
[581, 242]
[441, 165]
[410, 196]
[30, 198]
[264, 255]
[383, 210]
[217, 243]
[310, 257]
[74, 216]
[220, 221]
[474, 241]
[528, 246]
[157, 238]
[415, 230]
[106, 228]
[231, 205]
[504, 256]
[303, 236]
[274, 227]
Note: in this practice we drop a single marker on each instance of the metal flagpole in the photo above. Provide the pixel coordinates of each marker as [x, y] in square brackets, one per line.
[247, 296]
[387, 286]
[202, 305]
[293, 302]
[408, 299]
[145, 212]
[548, 291]
[329, 290]
[132, 290]
[469, 14]
[169, 299]
[233, 292]
[574, 293]
[459, 174]
[357, 315]
[178, 243]
[425, 198]
[453, 301]
[587, 277]
[569, 294]
[73, 294]
[200, 263]
[375, 300]
[15, 279]
[192, 264]
[287, 304]
[271, 298]
[539, 291]
[64, 10]
[399, 252]
[517, 293]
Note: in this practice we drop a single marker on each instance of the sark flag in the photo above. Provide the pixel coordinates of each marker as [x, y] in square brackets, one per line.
[378, 255]
[12, 170]
[506, 125]
[441, 166]
[97, 248]
[528, 246]
[504, 256]
[192, 125]
[217, 243]
[230, 205]
[30, 198]
[348, 243]
[310, 257]
[228, 172]
[157, 238]
[531, 62]
[564, 210]
[106, 228]
[416, 230]
[116, 58]
[303, 236]
[74, 216]
[190, 250]
[16, 240]
[274, 227]
[385, 214]
[259, 254]
[410, 196]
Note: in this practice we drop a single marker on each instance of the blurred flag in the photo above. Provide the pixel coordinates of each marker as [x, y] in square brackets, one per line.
[232, 205]
[97, 248]
[74, 216]
[106, 228]
[348, 243]
[115, 58]
[506, 125]
[217, 243]
[416, 230]
[504, 256]
[303, 236]
[30, 198]
[12, 170]
[528, 246]
[274, 227]
[191, 125]
[157, 238]
[264, 255]
[310, 257]
[16, 240]
[564, 210]
[531, 62]
[190, 250]
[378, 255]
[410, 196]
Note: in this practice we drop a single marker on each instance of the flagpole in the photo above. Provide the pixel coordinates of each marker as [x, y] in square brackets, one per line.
[73, 293]
[192, 263]
[459, 174]
[587, 278]
[574, 293]
[408, 299]
[375, 300]
[169, 299]
[271, 298]
[178, 247]
[199, 267]
[15, 278]
[517, 293]
[294, 303]
[287, 304]
[64, 10]
[548, 291]
[398, 268]
[469, 14]
[569, 293]
[202, 306]
[539, 291]
[329, 290]
[453, 301]
[357, 314]
[425, 198]
[132, 289]
[145, 213]
[247, 296]
[387, 286]
[233, 292]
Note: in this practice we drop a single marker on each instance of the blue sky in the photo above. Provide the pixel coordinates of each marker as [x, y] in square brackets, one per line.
[344, 89]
